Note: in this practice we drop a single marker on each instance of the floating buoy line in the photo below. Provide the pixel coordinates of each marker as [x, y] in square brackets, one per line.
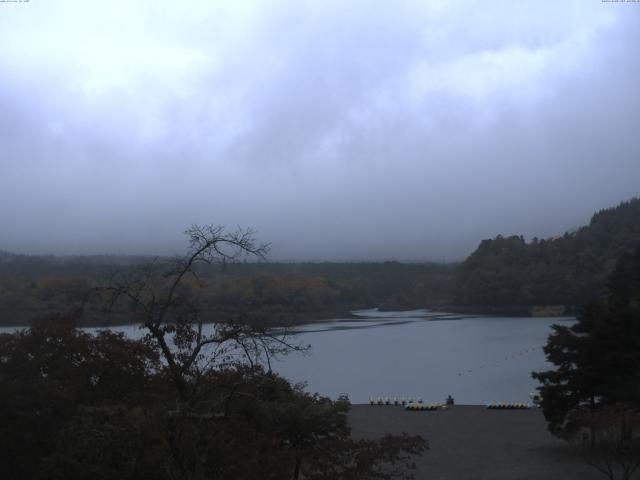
[497, 363]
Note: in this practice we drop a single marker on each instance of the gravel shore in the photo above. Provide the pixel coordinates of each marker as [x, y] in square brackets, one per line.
[469, 442]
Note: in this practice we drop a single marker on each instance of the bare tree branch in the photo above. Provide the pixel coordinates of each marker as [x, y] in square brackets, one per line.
[176, 324]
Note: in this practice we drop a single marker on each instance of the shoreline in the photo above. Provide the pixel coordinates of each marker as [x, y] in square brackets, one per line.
[311, 318]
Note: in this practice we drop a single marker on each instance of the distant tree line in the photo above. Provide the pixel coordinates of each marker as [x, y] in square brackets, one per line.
[276, 293]
[505, 274]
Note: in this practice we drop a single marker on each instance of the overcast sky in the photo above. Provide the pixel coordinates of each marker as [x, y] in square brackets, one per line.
[339, 130]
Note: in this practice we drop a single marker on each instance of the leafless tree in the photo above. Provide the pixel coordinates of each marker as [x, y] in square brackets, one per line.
[164, 306]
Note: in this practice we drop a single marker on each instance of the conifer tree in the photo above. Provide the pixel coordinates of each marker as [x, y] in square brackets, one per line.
[597, 359]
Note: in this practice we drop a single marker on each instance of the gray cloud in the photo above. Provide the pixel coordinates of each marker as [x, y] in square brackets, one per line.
[367, 130]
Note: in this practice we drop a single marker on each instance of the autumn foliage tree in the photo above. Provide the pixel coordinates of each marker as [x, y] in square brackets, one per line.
[194, 398]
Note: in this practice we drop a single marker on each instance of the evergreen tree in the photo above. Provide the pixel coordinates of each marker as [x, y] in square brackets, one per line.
[598, 358]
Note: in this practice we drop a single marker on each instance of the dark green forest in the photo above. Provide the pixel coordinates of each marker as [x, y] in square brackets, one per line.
[570, 270]
[503, 275]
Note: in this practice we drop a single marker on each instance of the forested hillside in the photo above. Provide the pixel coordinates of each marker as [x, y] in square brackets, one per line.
[571, 270]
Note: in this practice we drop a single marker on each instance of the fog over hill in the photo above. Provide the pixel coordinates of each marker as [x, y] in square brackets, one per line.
[365, 130]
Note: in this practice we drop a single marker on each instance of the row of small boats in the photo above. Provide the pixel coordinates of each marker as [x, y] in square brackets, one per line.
[393, 401]
[508, 406]
[425, 407]
[418, 404]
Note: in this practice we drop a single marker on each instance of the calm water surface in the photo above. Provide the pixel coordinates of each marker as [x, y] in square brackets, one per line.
[418, 354]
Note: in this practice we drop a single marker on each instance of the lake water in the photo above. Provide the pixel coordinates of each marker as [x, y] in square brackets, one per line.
[476, 359]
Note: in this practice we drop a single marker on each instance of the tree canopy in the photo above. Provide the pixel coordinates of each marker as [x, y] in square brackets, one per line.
[190, 400]
[597, 359]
